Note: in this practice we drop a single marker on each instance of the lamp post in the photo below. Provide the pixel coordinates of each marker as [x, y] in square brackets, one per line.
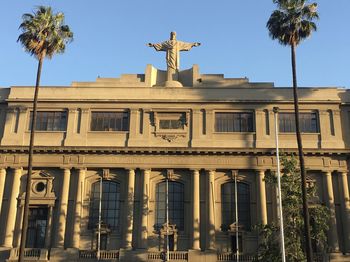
[236, 213]
[167, 217]
[275, 111]
[99, 222]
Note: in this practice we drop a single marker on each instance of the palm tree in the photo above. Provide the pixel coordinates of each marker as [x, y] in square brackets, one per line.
[291, 23]
[44, 34]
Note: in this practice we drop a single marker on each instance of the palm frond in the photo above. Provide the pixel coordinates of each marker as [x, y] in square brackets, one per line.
[293, 21]
[44, 33]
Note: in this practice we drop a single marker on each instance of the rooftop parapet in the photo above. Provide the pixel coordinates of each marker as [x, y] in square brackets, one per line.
[154, 77]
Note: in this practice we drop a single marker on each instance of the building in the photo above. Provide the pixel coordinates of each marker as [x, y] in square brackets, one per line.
[133, 132]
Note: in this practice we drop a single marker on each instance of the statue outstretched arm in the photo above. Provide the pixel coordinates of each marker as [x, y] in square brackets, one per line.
[158, 47]
[183, 46]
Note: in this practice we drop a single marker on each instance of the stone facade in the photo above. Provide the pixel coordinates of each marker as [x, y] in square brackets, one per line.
[196, 156]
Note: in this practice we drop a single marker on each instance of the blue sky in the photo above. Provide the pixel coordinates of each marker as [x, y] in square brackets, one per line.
[110, 39]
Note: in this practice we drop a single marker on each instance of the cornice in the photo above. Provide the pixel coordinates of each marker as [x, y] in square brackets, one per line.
[168, 151]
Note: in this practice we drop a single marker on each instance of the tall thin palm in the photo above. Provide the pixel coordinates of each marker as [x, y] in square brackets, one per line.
[44, 34]
[291, 23]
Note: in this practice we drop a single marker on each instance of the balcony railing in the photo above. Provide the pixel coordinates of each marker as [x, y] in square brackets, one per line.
[104, 254]
[232, 257]
[30, 254]
[173, 255]
[229, 256]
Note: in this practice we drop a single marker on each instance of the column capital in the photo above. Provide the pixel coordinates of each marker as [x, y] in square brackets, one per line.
[65, 168]
[17, 168]
[72, 110]
[343, 172]
[80, 168]
[195, 170]
[146, 170]
[22, 109]
[327, 171]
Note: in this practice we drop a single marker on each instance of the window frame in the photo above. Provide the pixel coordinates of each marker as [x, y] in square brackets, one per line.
[181, 226]
[240, 112]
[101, 111]
[117, 203]
[65, 126]
[317, 123]
[231, 203]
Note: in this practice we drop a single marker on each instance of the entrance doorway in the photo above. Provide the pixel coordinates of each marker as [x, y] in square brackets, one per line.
[37, 227]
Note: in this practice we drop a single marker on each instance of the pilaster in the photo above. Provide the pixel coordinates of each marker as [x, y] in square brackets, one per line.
[2, 185]
[195, 210]
[78, 207]
[72, 121]
[11, 213]
[262, 209]
[211, 210]
[345, 204]
[333, 242]
[63, 204]
[145, 209]
[129, 209]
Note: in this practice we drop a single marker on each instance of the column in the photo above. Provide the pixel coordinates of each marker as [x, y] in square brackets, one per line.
[10, 223]
[332, 232]
[2, 184]
[261, 197]
[195, 210]
[345, 211]
[63, 204]
[19, 221]
[211, 211]
[78, 207]
[129, 209]
[145, 208]
[48, 228]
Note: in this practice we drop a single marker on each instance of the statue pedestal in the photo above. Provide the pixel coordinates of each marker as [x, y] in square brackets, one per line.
[172, 84]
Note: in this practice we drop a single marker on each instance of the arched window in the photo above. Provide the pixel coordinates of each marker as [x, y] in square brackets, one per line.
[110, 204]
[228, 204]
[176, 204]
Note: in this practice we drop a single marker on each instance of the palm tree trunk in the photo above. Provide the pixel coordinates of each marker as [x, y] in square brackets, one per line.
[30, 164]
[307, 234]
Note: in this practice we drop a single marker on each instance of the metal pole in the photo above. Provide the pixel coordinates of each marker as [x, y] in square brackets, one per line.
[236, 209]
[99, 222]
[275, 110]
[167, 218]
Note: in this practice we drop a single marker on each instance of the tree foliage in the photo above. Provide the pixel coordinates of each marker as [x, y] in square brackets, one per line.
[292, 21]
[269, 248]
[44, 33]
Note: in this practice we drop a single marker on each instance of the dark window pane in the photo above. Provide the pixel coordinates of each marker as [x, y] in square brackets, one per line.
[308, 122]
[176, 204]
[49, 121]
[234, 122]
[110, 208]
[109, 121]
[228, 204]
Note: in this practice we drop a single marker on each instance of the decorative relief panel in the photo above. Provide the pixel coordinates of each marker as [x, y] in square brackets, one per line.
[41, 189]
[170, 125]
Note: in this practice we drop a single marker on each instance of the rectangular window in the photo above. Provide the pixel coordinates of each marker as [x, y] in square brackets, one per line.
[171, 120]
[308, 122]
[234, 122]
[109, 121]
[50, 121]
